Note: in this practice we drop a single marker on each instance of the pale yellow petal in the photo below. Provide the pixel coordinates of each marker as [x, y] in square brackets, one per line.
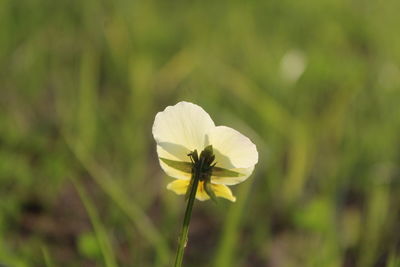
[233, 151]
[182, 128]
[223, 191]
[169, 170]
[178, 186]
[233, 180]
[201, 194]
[231, 148]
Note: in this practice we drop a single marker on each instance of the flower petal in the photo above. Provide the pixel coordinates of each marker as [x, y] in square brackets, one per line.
[201, 193]
[223, 191]
[182, 128]
[231, 148]
[162, 153]
[233, 180]
[178, 186]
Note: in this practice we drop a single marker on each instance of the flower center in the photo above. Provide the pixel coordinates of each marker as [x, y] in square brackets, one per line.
[203, 164]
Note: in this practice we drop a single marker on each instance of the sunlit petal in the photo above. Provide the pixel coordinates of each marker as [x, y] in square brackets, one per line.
[233, 180]
[178, 186]
[182, 128]
[201, 193]
[223, 191]
[231, 148]
[162, 153]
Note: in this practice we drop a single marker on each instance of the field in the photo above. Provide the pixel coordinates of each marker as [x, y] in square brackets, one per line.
[314, 84]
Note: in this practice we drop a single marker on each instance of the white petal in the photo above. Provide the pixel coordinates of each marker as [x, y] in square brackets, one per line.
[169, 170]
[233, 180]
[182, 128]
[231, 148]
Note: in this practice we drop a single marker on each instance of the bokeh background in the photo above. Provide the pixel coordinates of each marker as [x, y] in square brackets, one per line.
[315, 84]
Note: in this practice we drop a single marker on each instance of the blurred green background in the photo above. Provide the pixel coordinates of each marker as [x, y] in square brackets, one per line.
[315, 84]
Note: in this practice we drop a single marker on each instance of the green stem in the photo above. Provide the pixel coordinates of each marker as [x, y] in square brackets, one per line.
[186, 221]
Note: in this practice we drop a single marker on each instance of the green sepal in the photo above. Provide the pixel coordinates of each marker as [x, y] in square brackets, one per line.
[221, 172]
[178, 165]
[210, 192]
[186, 167]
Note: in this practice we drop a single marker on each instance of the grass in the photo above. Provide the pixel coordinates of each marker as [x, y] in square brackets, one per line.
[81, 82]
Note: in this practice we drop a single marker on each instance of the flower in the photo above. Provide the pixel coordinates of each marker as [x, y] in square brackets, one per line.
[186, 135]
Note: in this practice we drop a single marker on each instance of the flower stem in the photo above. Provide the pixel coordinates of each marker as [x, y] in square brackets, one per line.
[186, 221]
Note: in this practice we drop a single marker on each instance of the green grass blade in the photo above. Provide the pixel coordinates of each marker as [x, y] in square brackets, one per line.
[393, 260]
[101, 233]
[46, 257]
[142, 222]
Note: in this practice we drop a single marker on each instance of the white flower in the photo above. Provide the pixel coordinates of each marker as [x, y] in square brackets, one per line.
[186, 128]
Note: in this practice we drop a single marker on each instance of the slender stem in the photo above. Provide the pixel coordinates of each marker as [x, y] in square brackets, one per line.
[185, 228]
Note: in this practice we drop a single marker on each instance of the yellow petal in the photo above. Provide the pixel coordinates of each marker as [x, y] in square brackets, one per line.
[201, 193]
[223, 191]
[178, 186]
